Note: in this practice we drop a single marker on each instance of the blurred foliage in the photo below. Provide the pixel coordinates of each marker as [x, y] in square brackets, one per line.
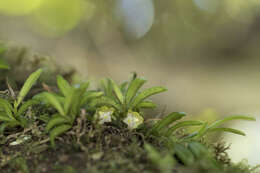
[18, 8]
[58, 16]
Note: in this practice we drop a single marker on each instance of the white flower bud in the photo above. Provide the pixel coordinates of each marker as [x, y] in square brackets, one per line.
[133, 119]
[103, 114]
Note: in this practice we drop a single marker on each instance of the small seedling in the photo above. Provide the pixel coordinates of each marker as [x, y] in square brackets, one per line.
[164, 126]
[68, 104]
[12, 114]
[216, 126]
[126, 98]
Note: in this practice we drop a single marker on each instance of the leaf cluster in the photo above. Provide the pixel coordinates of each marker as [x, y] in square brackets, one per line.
[12, 114]
[68, 103]
[127, 96]
[169, 124]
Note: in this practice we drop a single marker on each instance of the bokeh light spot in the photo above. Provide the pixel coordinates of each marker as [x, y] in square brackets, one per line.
[18, 7]
[56, 17]
[206, 5]
[240, 10]
[137, 16]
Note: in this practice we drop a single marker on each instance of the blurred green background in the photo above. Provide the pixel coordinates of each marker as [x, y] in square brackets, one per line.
[206, 52]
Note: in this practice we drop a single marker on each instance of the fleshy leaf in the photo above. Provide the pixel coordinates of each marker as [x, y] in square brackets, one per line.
[4, 117]
[58, 131]
[145, 94]
[166, 121]
[54, 121]
[63, 85]
[54, 102]
[133, 88]
[7, 107]
[146, 104]
[30, 81]
[118, 92]
[105, 101]
[202, 131]
[231, 130]
[89, 96]
[231, 118]
[25, 106]
[183, 124]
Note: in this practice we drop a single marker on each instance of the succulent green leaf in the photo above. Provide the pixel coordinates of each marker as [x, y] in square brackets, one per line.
[117, 91]
[84, 86]
[145, 94]
[231, 130]
[146, 104]
[202, 131]
[106, 86]
[166, 121]
[30, 81]
[45, 118]
[42, 98]
[55, 121]
[7, 107]
[133, 88]
[181, 125]
[69, 100]
[25, 106]
[231, 118]
[123, 86]
[58, 131]
[78, 95]
[105, 101]
[63, 85]
[4, 117]
[54, 102]
[89, 96]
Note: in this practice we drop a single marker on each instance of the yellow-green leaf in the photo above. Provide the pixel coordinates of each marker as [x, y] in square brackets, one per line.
[145, 94]
[118, 92]
[63, 85]
[183, 124]
[230, 130]
[30, 81]
[133, 88]
[166, 121]
[55, 121]
[54, 102]
[146, 104]
[58, 131]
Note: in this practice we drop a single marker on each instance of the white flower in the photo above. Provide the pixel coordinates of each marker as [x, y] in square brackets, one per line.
[104, 114]
[133, 119]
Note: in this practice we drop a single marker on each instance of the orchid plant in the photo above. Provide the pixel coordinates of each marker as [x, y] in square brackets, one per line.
[68, 104]
[127, 100]
[12, 114]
